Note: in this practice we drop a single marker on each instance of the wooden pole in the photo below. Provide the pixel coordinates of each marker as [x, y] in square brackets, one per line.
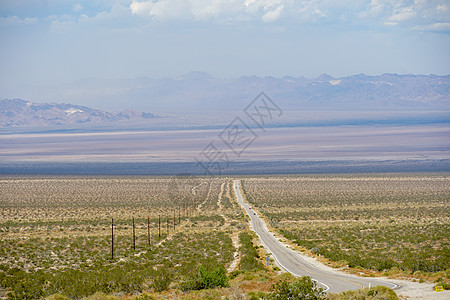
[134, 237]
[112, 238]
[148, 231]
[159, 225]
[167, 224]
[174, 220]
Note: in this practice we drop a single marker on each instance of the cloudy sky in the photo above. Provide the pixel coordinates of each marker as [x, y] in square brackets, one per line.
[64, 41]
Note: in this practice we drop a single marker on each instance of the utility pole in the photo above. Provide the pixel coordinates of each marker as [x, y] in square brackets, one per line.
[134, 237]
[167, 224]
[148, 231]
[112, 238]
[159, 225]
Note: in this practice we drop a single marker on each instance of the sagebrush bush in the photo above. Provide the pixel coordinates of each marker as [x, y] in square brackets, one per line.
[302, 288]
[205, 278]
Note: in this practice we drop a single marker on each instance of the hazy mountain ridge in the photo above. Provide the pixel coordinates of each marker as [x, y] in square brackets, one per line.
[199, 91]
[357, 91]
[18, 112]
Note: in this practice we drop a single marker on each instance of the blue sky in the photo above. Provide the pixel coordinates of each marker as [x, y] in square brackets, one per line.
[64, 41]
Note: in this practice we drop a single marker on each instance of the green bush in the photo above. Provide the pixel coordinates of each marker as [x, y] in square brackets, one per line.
[249, 260]
[206, 279]
[161, 280]
[256, 295]
[302, 288]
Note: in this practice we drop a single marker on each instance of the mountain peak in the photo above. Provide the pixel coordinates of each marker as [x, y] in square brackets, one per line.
[324, 77]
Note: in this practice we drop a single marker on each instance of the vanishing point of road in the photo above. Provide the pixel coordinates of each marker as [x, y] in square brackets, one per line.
[294, 263]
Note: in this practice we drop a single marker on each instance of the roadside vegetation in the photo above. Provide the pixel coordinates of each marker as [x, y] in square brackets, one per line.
[372, 225]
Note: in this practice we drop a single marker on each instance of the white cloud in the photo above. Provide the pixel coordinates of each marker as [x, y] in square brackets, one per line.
[77, 7]
[83, 18]
[207, 9]
[403, 14]
[439, 27]
[390, 23]
[267, 10]
[210, 9]
[15, 20]
[171, 9]
[117, 17]
[411, 14]
[442, 7]
[307, 11]
[141, 8]
[376, 7]
[273, 15]
[423, 14]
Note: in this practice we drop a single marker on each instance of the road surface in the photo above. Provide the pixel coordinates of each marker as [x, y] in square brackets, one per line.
[331, 281]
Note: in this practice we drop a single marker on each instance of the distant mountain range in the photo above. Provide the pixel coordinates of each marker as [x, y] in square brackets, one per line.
[199, 92]
[18, 112]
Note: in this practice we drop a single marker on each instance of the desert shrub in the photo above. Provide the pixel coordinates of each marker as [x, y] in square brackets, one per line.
[249, 260]
[27, 286]
[256, 295]
[100, 296]
[206, 278]
[144, 297]
[161, 280]
[57, 297]
[302, 288]
[235, 274]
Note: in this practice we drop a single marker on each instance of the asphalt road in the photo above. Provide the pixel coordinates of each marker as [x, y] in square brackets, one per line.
[291, 261]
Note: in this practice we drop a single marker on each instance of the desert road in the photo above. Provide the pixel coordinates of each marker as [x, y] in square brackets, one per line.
[331, 281]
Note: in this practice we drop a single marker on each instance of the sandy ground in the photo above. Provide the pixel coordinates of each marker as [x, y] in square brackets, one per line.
[416, 290]
[234, 236]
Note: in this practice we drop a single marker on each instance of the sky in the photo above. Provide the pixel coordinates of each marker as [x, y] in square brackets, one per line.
[60, 41]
